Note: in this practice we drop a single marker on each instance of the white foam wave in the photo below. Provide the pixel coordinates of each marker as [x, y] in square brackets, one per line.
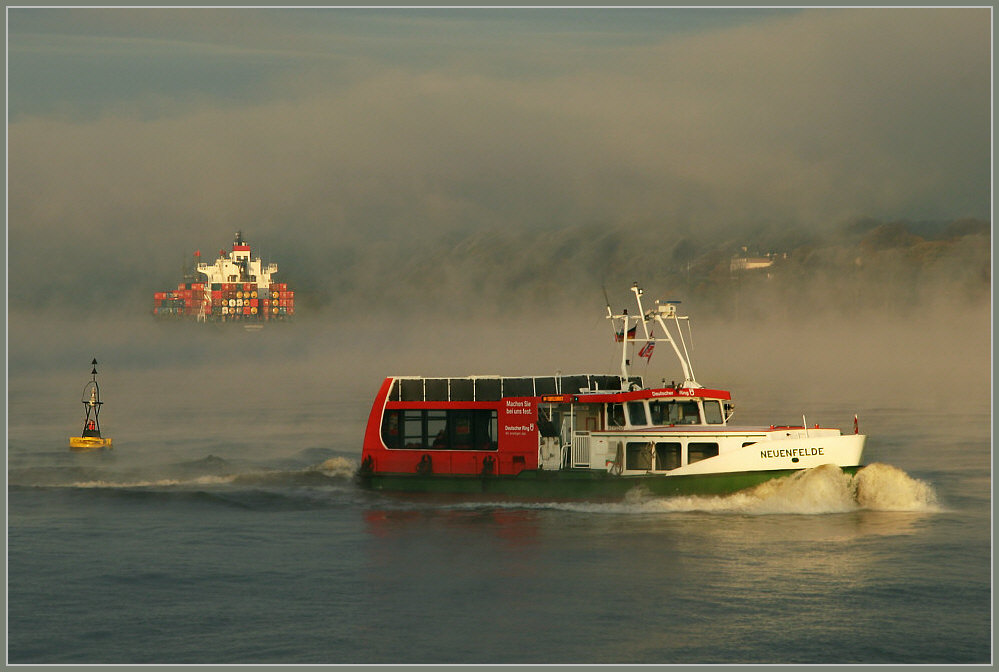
[333, 467]
[822, 490]
[336, 466]
[159, 483]
[882, 487]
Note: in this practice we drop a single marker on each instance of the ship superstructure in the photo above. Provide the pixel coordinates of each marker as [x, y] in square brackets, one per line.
[236, 287]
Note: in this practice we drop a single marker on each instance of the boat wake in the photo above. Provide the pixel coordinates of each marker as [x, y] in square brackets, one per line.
[821, 490]
[825, 489]
[204, 473]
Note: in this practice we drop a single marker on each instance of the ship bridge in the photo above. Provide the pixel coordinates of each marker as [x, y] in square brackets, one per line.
[238, 266]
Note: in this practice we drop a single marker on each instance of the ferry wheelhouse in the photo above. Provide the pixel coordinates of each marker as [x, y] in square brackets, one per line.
[584, 435]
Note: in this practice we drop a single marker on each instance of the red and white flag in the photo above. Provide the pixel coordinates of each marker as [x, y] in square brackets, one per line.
[646, 350]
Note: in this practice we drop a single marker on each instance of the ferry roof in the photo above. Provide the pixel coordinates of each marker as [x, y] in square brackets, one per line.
[494, 388]
[579, 388]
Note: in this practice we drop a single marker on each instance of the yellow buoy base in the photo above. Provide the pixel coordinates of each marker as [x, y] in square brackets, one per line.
[85, 443]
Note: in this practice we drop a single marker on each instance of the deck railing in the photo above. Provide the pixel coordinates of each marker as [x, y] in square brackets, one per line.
[581, 449]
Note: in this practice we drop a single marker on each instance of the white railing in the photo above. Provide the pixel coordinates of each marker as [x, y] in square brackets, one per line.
[581, 449]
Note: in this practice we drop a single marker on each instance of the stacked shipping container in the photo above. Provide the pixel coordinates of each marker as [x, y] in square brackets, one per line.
[224, 301]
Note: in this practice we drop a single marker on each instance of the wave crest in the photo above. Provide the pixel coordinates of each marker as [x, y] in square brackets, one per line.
[882, 487]
[336, 466]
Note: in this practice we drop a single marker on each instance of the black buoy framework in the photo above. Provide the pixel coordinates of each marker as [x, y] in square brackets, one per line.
[92, 402]
[91, 438]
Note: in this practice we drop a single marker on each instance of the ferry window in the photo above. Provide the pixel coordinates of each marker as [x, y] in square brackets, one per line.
[462, 434]
[712, 412]
[485, 427]
[437, 428]
[686, 413]
[700, 451]
[390, 428]
[659, 410]
[636, 413]
[413, 429]
[674, 413]
[667, 456]
[639, 456]
[615, 415]
[465, 429]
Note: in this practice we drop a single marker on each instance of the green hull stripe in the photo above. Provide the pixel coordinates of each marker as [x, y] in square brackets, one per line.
[575, 484]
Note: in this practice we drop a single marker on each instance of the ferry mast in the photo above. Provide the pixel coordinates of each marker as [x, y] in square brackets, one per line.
[663, 311]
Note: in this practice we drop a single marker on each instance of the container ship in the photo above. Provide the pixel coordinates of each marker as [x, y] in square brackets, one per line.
[235, 288]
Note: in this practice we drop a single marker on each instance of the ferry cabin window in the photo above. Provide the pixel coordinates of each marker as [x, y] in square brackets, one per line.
[639, 456]
[414, 434]
[700, 451]
[636, 414]
[615, 415]
[713, 412]
[674, 413]
[667, 456]
[438, 429]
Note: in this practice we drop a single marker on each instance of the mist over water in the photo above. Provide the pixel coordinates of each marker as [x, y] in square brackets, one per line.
[225, 525]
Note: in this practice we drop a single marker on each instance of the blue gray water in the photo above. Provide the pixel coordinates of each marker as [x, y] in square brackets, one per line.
[225, 528]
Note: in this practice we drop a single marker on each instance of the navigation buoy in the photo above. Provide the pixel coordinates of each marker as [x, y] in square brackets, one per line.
[91, 439]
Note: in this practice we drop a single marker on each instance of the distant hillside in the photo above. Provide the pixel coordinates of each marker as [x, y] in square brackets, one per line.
[865, 264]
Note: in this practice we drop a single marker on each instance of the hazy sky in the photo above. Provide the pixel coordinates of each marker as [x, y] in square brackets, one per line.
[136, 135]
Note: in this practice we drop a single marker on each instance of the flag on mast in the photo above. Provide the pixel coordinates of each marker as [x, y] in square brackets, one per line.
[646, 350]
[619, 336]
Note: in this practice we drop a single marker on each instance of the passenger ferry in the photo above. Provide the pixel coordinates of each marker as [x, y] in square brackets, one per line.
[584, 436]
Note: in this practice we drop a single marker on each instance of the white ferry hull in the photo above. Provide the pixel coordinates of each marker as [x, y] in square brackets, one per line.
[803, 453]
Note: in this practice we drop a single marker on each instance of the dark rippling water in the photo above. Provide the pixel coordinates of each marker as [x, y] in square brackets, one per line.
[225, 528]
